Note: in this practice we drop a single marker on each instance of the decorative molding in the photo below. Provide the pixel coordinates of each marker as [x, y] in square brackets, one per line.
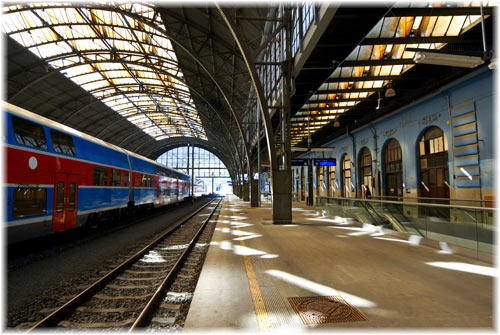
[429, 119]
[390, 132]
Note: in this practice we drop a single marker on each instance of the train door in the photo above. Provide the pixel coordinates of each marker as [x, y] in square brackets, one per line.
[65, 202]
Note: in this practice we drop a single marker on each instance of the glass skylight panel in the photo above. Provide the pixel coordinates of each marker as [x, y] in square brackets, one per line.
[111, 41]
[395, 27]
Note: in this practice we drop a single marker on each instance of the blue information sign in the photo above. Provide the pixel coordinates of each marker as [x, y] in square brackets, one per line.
[300, 162]
[325, 162]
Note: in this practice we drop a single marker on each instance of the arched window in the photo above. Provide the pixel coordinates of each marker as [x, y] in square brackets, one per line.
[331, 181]
[393, 162]
[365, 164]
[209, 170]
[434, 175]
[346, 176]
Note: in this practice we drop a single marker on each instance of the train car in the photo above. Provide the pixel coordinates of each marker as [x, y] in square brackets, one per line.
[200, 188]
[58, 178]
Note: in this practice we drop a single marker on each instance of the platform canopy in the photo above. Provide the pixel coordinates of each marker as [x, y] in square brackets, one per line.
[389, 50]
[117, 54]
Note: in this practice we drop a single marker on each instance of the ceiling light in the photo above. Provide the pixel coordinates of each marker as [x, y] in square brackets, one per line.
[423, 57]
[493, 63]
[336, 124]
[389, 93]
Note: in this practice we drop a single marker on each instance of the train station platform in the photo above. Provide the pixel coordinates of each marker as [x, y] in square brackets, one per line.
[323, 274]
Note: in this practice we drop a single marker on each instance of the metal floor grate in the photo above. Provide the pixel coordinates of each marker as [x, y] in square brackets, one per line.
[318, 310]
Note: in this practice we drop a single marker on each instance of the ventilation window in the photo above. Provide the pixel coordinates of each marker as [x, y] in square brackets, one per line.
[29, 133]
[63, 143]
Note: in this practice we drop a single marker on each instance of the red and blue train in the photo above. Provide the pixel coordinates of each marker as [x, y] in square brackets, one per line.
[58, 178]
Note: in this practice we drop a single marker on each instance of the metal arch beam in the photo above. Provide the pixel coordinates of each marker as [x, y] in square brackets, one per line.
[197, 60]
[252, 70]
[172, 143]
[219, 86]
[175, 142]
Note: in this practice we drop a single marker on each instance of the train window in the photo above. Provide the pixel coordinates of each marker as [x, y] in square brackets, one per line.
[146, 181]
[125, 178]
[72, 196]
[100, 176]
[63, 143]
[60, 197]
[29, 202]
[29, 133]
[115, 178]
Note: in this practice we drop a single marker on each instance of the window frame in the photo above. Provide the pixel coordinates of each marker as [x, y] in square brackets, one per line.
[57, 146]
[102, 169]
[43, 202]
[17, 124]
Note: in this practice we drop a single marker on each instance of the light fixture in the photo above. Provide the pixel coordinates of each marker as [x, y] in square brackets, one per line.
[493, 63]
[336, 124]
[423, 57]
[378, 101]
[389, 93]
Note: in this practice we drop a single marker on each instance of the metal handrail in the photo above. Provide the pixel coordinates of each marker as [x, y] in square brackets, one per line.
[424, 198]
[414, 204]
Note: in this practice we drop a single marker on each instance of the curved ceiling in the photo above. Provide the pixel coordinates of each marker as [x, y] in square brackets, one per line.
[389, 50]
[115, 54]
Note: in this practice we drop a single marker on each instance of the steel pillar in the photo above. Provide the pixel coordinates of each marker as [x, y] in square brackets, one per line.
[282, 197]
[245, 191]
[254, 193]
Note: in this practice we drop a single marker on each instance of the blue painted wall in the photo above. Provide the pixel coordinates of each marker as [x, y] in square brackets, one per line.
[408, 124]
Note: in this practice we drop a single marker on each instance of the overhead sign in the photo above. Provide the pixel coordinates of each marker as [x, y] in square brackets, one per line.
[325, 162]
[300, 162]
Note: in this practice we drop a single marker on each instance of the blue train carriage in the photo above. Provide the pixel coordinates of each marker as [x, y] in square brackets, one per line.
[59, 178]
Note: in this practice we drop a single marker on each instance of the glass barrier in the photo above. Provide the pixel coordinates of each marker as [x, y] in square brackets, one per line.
[465, 226]
[442, 201]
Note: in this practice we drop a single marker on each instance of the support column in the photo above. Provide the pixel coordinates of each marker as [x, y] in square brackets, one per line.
[280, 165]
[282, 171]
[254, 196]
[192, 171]
[246, 191]
[310, 185]
[282, 197]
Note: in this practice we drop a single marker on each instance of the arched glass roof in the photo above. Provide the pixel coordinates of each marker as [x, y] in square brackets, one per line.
[116, 53]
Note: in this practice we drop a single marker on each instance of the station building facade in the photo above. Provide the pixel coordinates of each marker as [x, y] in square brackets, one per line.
[441, 146]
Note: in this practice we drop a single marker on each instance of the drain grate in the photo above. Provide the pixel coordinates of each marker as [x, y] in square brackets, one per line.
[318, 310]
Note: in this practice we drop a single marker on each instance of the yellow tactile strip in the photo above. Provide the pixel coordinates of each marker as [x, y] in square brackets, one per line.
[258, 301]
[318, 310]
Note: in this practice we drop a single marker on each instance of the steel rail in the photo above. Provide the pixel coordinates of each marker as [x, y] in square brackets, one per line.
[150, 305]
[77, 300]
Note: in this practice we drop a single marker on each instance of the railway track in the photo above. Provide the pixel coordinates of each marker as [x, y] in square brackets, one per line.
[127, 296]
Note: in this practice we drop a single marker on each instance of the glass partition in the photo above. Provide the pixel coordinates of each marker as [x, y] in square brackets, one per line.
[465, 226]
